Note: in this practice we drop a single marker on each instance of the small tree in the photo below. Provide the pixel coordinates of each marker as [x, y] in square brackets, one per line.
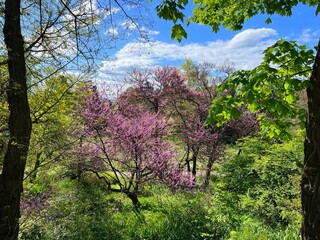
[166, 90]
[126, 150]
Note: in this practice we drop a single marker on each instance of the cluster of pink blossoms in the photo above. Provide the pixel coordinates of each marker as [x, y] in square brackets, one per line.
[128, 145]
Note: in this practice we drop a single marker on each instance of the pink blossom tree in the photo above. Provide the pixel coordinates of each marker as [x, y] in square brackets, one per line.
[166, 91]
[126, 148]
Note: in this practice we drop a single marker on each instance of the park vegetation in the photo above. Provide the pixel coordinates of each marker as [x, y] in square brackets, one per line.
[199, 152]
[145, 165]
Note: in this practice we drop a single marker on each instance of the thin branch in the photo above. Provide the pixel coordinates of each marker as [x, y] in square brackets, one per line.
[128, 16]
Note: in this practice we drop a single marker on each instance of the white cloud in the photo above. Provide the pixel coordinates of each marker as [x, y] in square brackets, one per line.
[112, 31]
[110, 11]
[308, 36]
[250, 37]
[129, 25]
[148, 32]
[244, 50]
[109, 88]
[134, 27]
[84, 10]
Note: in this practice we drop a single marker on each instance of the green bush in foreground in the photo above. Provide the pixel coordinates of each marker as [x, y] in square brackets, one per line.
[259, 188]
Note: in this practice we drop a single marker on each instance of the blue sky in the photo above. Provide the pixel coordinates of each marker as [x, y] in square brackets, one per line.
[243, 48]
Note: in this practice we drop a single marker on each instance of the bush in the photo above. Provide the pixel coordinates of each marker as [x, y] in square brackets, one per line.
[259, 185]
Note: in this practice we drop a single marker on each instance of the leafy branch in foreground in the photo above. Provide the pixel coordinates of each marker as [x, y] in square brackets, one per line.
[227, 13]
[270, 89]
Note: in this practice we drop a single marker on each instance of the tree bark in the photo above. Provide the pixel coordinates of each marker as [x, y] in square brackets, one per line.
[310, 184]
[134, 198]
[194, 158]
[11, 178]
[211, 160]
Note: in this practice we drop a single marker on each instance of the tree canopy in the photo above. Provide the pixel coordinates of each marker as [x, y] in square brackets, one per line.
[271, 89]
[231, 14]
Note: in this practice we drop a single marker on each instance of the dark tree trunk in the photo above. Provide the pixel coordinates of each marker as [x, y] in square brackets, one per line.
[194, 158]
[11, 177]
[310, 185]
[134, 198]
[188, 165]
[211, 160]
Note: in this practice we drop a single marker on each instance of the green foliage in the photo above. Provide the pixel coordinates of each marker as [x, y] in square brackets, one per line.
[52, 105]
[206, 76]
[233, 14]
[74, 213]
[264, 179]
[270, 89]
[228, 13]
[251, 227]
[178, 32]
[173, 10]
[255, 193]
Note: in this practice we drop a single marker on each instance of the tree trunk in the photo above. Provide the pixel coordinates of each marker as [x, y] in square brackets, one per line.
[11, 178]
[211, 160]
[134, 198]
[194, 158]
[310, 185]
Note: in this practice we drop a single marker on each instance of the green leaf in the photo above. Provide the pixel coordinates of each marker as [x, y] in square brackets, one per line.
[298, 61]
[253, 107]
[318, 9]
[184, 2]
[250, 97]
[290, 98]
[286, 86]
[268, 20]
[178, 32]
[235, 113]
